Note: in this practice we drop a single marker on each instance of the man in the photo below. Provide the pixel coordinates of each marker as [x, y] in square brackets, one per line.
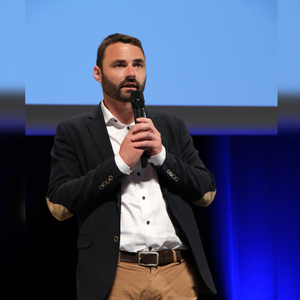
[138, 238]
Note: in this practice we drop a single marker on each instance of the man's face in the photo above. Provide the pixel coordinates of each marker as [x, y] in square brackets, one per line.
[123, 71]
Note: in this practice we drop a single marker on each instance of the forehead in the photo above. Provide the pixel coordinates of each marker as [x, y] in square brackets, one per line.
[123, 52]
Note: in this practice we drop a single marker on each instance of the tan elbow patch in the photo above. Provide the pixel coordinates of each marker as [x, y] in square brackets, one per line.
[50, 204]
[58, 211]
[207, 199]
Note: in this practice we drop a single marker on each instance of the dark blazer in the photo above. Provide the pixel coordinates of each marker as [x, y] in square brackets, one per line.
[85, 179]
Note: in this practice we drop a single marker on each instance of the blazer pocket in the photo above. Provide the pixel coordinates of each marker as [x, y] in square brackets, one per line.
[84, 241]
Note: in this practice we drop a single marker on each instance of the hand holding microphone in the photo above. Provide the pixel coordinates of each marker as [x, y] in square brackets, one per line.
[145, 135]
[143, 140]
[138, 106]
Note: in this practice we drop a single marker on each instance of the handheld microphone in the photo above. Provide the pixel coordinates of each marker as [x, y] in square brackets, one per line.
[138, 106]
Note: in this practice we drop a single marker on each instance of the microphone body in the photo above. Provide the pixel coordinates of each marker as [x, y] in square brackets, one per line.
[138, 106]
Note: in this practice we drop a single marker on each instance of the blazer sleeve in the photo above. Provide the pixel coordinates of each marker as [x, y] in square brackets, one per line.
[69, 185]
[183, 171]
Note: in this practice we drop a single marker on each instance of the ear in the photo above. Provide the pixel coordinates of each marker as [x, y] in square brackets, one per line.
[97, 74]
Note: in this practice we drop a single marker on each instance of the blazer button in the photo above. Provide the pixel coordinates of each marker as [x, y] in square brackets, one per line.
[116, 238]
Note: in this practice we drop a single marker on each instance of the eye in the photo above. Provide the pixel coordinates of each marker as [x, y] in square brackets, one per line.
[139, 65]
[119, 64]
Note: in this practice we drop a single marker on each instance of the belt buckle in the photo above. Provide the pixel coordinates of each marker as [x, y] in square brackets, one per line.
[148, 253]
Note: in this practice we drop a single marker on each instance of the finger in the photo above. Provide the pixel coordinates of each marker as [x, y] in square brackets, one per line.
[153, 147]
[143, 136]
[143, 120]
[145, 145]
[146, 126]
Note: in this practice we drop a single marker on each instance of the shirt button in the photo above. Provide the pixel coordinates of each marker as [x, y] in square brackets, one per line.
[128, 127]
[148, 222]
[138, 174]
[143, 197]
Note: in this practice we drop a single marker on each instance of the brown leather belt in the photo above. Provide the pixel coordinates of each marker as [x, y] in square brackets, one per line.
[153, 259]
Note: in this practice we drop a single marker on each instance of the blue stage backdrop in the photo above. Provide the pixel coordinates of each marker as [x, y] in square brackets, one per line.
[243, 217]
[288, 206]
[254, 224]
[201, 56]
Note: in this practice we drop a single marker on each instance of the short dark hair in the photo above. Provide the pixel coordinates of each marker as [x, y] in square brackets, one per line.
[116, 38]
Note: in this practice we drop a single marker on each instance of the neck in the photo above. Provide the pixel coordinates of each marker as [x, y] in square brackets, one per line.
[121, 110]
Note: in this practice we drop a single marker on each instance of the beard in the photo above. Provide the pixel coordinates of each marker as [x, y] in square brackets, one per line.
[115, 90]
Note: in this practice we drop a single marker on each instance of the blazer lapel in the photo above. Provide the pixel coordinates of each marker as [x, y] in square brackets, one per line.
[97, 128]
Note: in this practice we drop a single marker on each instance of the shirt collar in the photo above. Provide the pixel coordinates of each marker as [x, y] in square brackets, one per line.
[109, 118]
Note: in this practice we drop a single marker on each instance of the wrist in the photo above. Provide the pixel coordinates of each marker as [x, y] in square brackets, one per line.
[123, 167]
[158, 159]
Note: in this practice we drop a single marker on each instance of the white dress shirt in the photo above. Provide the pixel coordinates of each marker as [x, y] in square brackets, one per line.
[145, 223]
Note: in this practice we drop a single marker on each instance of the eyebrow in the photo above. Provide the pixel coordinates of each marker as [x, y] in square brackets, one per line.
[139, 60]
[121, 61]
[118, 61]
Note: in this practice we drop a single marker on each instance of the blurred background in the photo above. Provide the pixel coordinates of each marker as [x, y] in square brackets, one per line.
[235, 63]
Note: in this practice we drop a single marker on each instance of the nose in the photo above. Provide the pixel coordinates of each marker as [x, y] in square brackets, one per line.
[130, 73]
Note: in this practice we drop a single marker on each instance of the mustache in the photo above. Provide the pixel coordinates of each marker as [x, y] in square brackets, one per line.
[138, 86]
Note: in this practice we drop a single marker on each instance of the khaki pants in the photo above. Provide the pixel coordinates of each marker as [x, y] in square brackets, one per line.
[175, 281]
